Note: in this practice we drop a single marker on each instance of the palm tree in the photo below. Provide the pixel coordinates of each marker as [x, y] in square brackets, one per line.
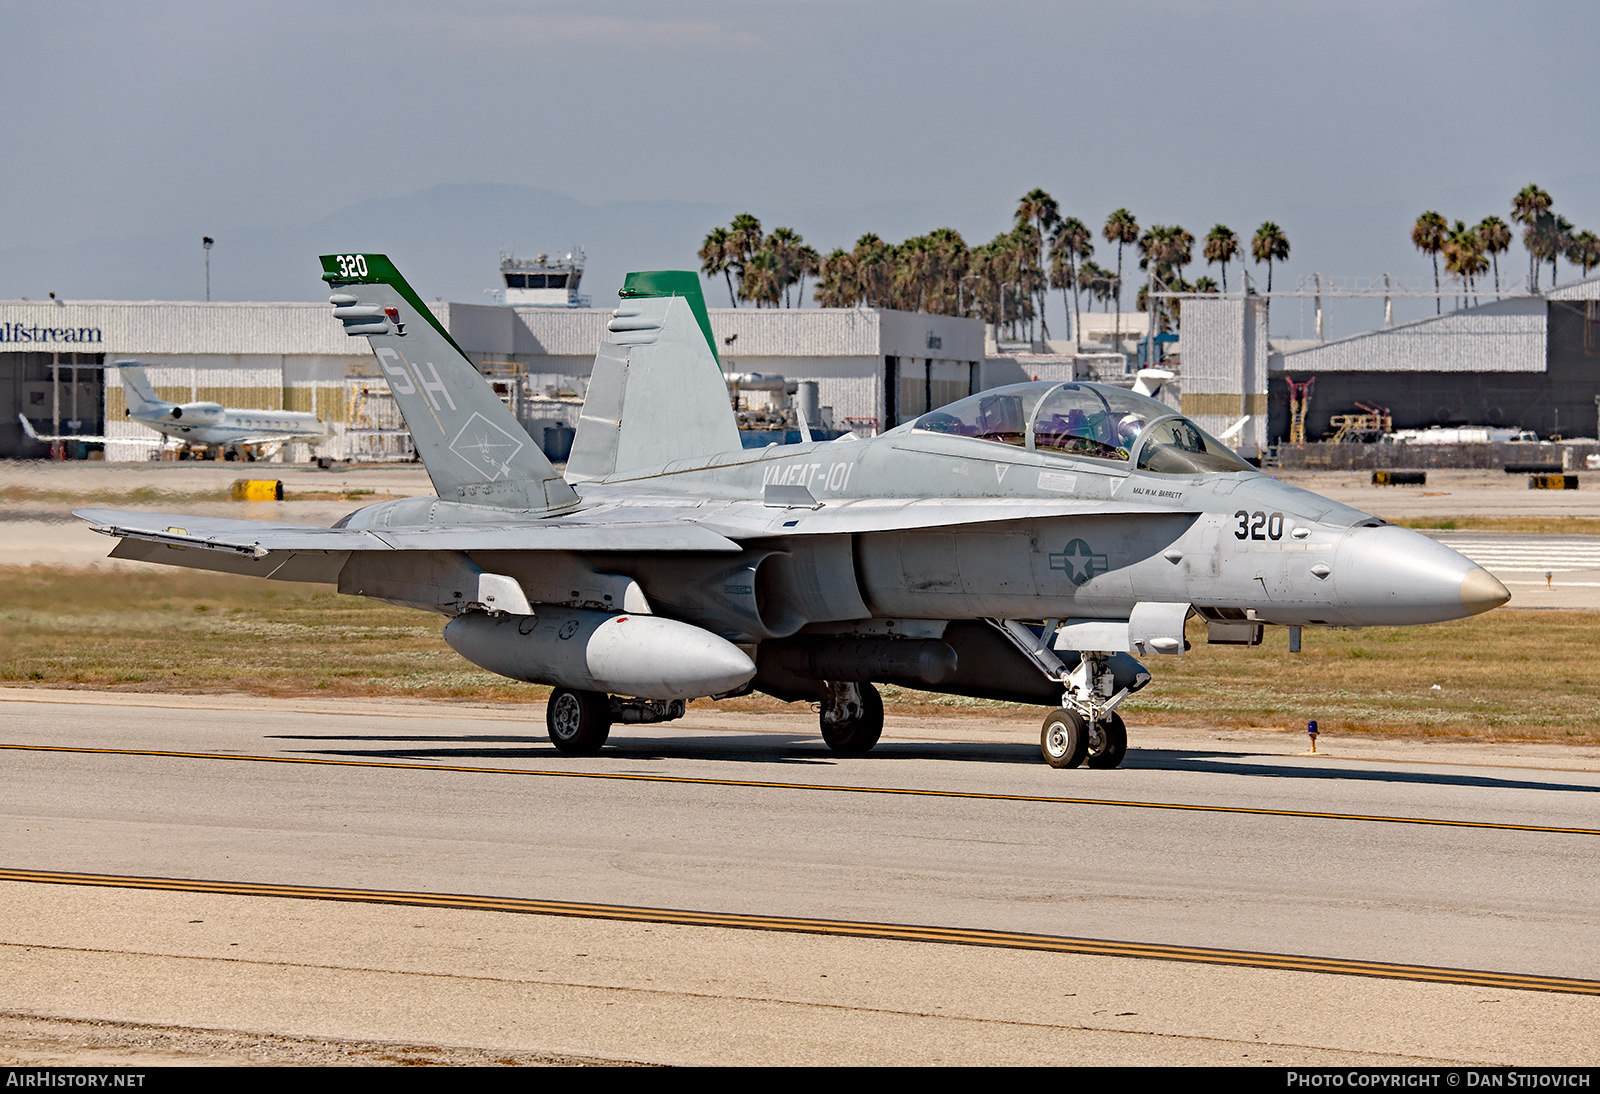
[1101, 284]
[808, 263]
[714, 258]
[874, 264]
[1546, 236]
[981, 292]
[1071, 243]
[1463, 252]
[762, 283]
[1120, 229]
[1496, 237]
[1166, 251]
[1040, 210]
[1527, 206]
[1584, 251]
[1428, 235]
[1560, 240]
[1269, 245]
[789, 259]
[837, 283]
[1027, 273]
[1206, 285]
[744, 240]
[914, 264]
[1222, 246]
[946, 260]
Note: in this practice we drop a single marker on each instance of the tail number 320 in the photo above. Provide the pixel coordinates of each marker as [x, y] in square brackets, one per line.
[1258, 525]
[352, 265]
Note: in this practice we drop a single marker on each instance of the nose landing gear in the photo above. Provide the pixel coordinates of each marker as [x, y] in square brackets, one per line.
[1091, 699]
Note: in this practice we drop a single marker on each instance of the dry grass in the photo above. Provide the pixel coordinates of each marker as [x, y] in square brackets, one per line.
[1524, 675]
[1506, 675]
[191, 632]
[1550, 526]
[141, 495]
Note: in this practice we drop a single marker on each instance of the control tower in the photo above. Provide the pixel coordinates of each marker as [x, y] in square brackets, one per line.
[542, 282]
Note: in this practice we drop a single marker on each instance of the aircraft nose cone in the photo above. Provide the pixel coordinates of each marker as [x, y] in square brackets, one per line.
[1392, 576]
[1481, 591]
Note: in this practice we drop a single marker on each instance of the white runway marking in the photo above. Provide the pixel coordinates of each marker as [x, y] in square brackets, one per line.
[1530, 554]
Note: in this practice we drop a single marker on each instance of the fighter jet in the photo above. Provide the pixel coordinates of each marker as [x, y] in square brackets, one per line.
[1028, 543]
[204, 424]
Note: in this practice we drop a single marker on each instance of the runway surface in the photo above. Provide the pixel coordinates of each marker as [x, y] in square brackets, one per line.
[1197, 865]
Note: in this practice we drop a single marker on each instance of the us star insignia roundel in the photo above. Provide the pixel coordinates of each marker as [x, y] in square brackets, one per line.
[487, 447]
[1078, 562]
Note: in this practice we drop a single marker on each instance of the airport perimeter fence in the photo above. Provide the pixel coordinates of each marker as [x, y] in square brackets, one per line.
[1566, 455]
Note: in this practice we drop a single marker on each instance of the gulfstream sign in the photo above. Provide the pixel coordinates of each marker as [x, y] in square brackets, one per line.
[17, 332]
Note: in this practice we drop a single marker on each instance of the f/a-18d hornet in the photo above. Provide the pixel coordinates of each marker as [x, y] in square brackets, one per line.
[1027, 543]
[204, 424]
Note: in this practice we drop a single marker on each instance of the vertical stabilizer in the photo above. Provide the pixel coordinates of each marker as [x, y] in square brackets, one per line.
[657, 393]
[137, 389]
[475, 450]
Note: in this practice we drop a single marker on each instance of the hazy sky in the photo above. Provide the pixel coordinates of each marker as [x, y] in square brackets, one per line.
[1340, 121]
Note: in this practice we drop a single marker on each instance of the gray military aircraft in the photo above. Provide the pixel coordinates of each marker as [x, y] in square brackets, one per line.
[1021, 544]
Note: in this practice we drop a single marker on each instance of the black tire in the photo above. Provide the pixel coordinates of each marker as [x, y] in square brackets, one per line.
[1064, 739]
[1107, 746]
[857, 735]
[578, 721]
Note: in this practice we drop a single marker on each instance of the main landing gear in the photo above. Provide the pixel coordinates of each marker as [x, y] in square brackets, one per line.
[580, 721]
[852, 717]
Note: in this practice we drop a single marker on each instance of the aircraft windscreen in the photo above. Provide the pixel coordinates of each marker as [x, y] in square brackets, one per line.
[1088, 420]
[1179, 447]
[1082, 420]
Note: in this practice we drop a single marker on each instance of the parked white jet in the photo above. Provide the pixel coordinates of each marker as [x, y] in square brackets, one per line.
[200, 424]
[204, 423]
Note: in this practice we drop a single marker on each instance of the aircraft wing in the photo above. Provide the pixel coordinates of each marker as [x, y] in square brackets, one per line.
[27, 427]
[295, 552]
[257, 539]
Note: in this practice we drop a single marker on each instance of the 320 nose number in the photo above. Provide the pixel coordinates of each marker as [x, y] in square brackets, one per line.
[1258, 525]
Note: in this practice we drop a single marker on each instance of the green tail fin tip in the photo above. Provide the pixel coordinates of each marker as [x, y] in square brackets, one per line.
[684, 283]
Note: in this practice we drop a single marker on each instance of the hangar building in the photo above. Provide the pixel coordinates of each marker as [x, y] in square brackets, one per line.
[1531, 361]
[874, 368]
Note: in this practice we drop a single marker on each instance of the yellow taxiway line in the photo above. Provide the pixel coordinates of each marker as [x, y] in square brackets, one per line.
[956, 936]
[822, 787]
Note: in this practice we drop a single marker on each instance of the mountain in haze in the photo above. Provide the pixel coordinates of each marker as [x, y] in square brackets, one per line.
[446, 240]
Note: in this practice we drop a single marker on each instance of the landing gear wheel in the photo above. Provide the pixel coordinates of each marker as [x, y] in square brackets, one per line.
[857, 731]
[1108, 742]
[579, 721]
[1064, 740]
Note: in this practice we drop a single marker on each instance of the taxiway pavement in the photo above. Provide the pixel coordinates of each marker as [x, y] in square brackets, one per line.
[1199, 841]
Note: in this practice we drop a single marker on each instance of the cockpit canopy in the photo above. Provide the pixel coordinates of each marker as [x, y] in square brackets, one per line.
[1086, 421]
